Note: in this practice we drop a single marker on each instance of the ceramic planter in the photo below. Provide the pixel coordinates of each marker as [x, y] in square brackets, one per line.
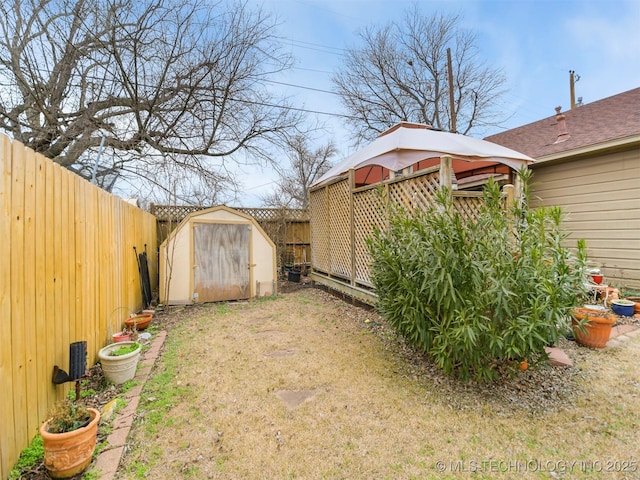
[67, 454]
[623, 307]
[636, 300]
[140, 322]
[121, 368]
[596, 332]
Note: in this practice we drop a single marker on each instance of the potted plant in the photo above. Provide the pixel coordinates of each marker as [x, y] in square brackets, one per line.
[120, 360]
[592, 326]
[623, 307]
[69, 438]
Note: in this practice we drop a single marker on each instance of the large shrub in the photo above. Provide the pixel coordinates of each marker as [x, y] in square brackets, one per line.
[477, 294]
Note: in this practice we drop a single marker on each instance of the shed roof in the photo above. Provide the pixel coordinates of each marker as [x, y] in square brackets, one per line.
[408, 143]
[592, 124]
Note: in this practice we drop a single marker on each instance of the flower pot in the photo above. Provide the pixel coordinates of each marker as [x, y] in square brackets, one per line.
[67, 454]
[636, 300]
[596, 332]
[294, 276]
[119, 369]
[623, 307]
[140, 322]
[121, 337]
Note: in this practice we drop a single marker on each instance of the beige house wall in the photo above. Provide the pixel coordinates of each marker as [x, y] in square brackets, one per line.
[600, 197]
[176, 256]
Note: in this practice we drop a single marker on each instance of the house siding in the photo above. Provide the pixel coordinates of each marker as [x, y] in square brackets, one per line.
[600, 197]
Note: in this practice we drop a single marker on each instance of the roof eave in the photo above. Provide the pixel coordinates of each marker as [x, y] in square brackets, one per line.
[617, 144]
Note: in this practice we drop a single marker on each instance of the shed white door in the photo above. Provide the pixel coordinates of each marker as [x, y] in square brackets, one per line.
[221, 255]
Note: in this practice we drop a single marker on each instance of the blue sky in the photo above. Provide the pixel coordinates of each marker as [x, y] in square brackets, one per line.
[534, 42]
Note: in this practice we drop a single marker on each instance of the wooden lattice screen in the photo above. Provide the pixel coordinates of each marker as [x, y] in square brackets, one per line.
[344, 217]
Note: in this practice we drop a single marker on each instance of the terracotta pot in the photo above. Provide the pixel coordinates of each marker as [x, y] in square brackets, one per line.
[139, 321]
[596, 332]
[121, 337]
[636, 308]
[67, 454]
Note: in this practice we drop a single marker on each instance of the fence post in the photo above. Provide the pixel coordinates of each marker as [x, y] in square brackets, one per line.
[445, 171]
[352, 186]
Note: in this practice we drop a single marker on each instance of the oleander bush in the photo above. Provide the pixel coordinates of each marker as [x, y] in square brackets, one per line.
[477, 294]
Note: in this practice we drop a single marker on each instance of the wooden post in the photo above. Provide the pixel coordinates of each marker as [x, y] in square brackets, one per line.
[445, 171]
[352, 220]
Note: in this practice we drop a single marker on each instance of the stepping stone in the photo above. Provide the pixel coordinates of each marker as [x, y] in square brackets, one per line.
[558, 358]
[622, 329]
[293, 398]
[280, 353]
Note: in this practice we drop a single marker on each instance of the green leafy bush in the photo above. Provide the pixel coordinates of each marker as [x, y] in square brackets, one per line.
[477, 294]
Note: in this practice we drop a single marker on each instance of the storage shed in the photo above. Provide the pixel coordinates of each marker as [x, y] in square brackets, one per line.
[214, 255]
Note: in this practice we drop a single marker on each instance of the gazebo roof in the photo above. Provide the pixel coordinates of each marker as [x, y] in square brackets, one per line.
[406, 144]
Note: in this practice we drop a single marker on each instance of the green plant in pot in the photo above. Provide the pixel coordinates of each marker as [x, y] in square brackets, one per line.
[69, 438]
[120, 360]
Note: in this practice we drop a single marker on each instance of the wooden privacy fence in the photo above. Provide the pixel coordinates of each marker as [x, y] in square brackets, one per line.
[343, 217]
[68, 273]
[288, 228]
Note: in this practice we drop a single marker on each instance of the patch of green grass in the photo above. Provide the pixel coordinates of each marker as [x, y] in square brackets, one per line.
[31, 455]
[160, 394]
[222, 308]
[129, 384]
[91, 475]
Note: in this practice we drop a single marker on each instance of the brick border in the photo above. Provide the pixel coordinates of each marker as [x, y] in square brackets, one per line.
[109, 458]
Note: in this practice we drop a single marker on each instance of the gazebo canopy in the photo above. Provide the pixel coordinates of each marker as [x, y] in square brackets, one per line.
[407, 144]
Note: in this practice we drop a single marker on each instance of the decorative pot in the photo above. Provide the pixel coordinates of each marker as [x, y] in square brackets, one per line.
[140, 322]
[67, 454]
[121, 337]
[623, 307]
[119, 368]
[596, 332]
[636, 300]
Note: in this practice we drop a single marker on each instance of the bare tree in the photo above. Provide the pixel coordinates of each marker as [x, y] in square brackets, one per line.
[400, 74]
[305, 167]
[140, 83]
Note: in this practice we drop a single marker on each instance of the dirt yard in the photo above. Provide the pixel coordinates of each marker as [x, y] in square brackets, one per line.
[307, 386]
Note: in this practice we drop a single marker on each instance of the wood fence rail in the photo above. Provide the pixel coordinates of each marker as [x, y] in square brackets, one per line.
[68, 273]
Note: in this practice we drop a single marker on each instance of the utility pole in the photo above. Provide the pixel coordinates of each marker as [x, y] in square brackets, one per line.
[451, 102]
[573, 78]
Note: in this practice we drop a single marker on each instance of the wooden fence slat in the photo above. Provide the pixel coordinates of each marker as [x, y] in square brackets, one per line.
[43, 371]
[8, 447]
[18, 340]
[30, 345]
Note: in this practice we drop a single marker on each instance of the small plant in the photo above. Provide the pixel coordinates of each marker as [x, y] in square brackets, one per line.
[29, 457]
[125, 349]
[67, 416]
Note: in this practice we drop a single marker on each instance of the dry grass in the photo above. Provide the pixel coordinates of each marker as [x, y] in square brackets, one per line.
[371, 408]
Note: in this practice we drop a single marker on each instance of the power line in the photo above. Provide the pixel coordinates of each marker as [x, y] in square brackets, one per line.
[301, 86]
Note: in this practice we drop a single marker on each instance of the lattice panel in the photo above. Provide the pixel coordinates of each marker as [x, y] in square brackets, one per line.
[468, 207]
[340, 228]
[176, 213]
[319, 211]
[369, 212]
[415, 193]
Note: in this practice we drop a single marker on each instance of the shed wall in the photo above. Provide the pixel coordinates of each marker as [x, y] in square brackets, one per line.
[601, 200]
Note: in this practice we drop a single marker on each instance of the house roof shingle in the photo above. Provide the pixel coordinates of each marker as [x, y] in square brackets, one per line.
[605, 120]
